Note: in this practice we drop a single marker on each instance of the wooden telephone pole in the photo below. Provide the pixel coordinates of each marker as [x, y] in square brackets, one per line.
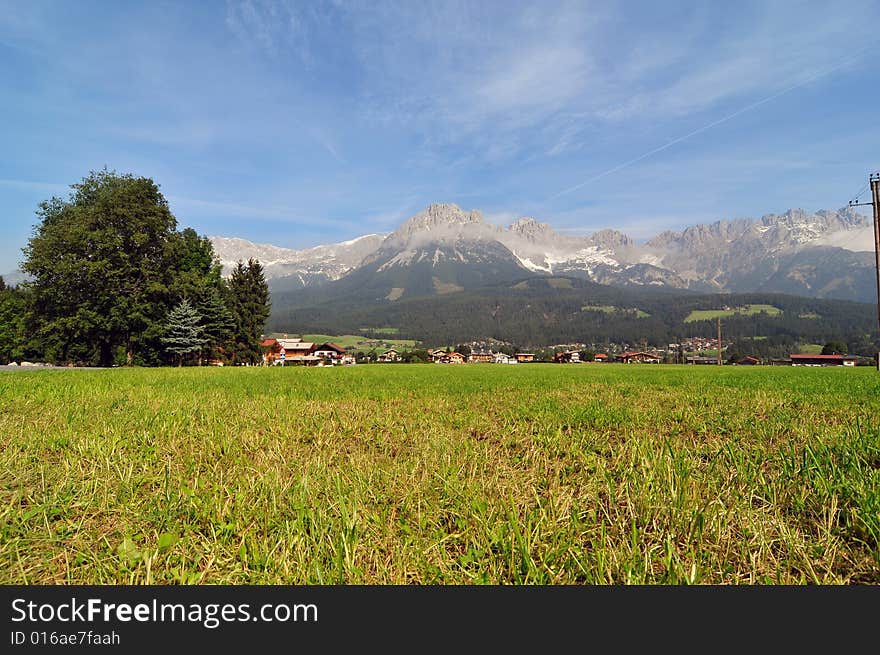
[874, 181]
[719, 342]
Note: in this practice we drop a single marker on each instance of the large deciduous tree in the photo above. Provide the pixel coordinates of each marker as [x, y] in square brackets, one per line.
[106, 265]
[98, 262]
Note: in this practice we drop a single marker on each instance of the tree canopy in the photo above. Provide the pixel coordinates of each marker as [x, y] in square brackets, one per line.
[108, 264]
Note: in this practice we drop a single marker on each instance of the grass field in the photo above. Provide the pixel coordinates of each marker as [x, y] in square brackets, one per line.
[748, 310]
[437, 475]
[611, 309]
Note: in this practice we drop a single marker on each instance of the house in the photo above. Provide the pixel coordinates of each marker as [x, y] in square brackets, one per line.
[638, 357]
[437, 355]
[822, 360]
[525, 357]
[271, 352]
[600, 357]
[567, 357]
[701, 359]
[452, 358]
[748, 360]
[297, 351]
[389, 356]
[502, 358]
[330, 352]
[481, 357]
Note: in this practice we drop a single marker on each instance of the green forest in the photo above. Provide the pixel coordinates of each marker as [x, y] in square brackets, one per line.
[113, 281]
[536, 312]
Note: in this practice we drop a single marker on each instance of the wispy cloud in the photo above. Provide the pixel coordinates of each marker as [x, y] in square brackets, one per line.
[274, 26]
[708, 126]
[328, 143]
[337, 117]
[42, 187]
[512, 82]
[232, 209]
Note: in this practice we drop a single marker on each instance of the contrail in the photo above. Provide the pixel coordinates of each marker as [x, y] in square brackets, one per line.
[754, 105]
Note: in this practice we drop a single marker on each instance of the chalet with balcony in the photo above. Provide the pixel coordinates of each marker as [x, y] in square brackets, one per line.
[481, 357]
[638, 357]
[330, 353]
[389, 356]
[297, 351]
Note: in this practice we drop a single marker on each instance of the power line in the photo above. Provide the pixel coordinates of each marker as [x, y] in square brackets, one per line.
[856, 197]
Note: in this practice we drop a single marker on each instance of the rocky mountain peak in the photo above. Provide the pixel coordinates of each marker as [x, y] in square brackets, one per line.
[437, 215]
[665, 239]
[531, 229]
[454, 245]
[611, 239]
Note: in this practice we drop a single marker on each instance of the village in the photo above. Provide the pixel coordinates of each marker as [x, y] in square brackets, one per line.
[696, 351]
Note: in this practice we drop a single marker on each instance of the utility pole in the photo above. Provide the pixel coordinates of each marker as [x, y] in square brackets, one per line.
[719, 341]
[874, 181]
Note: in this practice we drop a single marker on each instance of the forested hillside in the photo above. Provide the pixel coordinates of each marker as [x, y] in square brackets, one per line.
[541, 311]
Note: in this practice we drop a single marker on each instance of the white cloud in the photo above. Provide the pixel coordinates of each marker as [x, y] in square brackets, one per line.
[506, 82]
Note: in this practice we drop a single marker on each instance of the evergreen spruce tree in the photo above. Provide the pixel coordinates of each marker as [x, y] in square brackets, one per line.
[218, 321]
[250, 304]
[183, 333]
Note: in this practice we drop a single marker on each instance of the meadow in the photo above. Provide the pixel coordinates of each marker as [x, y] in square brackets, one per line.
[429, 474]
[748, 310]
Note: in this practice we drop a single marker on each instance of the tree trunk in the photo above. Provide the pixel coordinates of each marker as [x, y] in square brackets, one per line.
[106, 354]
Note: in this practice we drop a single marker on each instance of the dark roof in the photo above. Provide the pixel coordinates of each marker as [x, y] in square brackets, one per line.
[809, 356]
[331, 346]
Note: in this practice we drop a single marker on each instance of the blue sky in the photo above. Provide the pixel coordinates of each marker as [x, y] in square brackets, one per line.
[298, 123]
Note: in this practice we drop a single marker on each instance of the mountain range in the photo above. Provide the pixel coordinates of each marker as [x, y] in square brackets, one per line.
[444, 250]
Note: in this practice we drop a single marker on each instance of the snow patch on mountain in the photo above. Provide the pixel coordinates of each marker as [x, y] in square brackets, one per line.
[727, 255]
